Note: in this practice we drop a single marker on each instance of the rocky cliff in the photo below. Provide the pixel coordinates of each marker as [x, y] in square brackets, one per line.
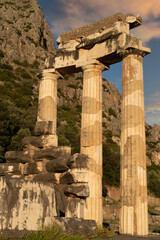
[24, 33]
[25, 42]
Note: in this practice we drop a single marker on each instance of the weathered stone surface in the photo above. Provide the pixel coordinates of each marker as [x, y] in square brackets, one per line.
[44, 128]
[51, 153]
[77, 226]
[45, 177]
[18, 156]
[66, 178]
[57, 165]
[26, 204]
[78, 190]
[10, 168]
[100, 26]
[30, 168]
[61, 200]
[78, 161]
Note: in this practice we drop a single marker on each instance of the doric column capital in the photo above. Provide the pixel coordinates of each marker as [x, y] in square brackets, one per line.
[96, 65]
[51, 73]
[130, 51]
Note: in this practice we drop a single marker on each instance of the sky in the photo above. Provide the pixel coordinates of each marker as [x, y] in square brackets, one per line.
[64, 15]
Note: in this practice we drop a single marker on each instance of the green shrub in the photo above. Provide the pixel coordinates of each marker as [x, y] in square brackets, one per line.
[52, 233]
[6, 66]
[23, 64]
[1, 54]
[16, 140]
[18, 32]
[112, 112]
[35, 64]
[153, 179]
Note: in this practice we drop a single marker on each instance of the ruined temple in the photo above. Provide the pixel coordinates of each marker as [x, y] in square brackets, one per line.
[76, 189]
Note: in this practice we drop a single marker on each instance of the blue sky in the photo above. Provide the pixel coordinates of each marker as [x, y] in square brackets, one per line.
[64, 15]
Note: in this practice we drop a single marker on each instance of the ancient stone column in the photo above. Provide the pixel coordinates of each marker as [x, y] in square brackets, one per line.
[91, 137]
[47, 110]
[134, 207]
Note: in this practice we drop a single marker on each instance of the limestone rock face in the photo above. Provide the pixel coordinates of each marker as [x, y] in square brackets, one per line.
[24, 34]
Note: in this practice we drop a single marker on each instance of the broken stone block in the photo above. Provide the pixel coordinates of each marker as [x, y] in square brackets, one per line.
[45, 177]
[44, 128]
[78, 190]
[51, 153]
[17, 157]
[57, 165]
[78, 161]
[10, 168]
[77, 225]
[75, 175]
[40, 141]
[30, 168]
[66, 178]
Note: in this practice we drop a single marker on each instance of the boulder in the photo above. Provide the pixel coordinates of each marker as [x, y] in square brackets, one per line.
[17, 157]
[57, 165]
[45, 177]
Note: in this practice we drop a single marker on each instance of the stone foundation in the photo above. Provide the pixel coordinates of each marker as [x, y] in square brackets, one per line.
[42, 183]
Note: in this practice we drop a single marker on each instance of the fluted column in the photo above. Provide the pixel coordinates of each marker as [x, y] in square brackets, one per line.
[91, 137]
[47, 109]
[134, 207]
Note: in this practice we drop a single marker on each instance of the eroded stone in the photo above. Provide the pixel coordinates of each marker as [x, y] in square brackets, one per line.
[18, 157]
[57, 165]
[45, 177]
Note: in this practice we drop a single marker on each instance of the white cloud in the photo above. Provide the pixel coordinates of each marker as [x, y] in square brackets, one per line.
[152, 108]
[79, 12]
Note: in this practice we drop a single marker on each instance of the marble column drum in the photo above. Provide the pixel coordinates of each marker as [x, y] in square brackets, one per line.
[134, 206]
[47, 109]
[91, 137]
